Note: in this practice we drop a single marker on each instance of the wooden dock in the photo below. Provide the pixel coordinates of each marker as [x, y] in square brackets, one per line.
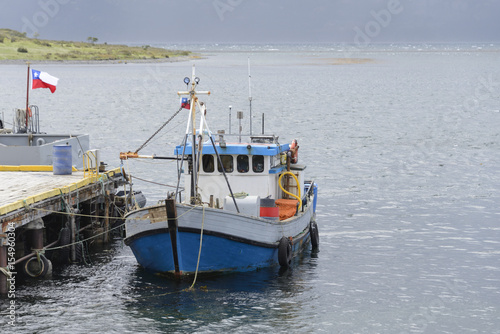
[39, 210]
[26, 196]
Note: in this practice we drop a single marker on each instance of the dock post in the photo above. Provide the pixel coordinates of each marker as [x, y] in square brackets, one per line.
[72, 227]
[106, 218]
[3, 264]
[36, 227]
[37, 238]
[37, 265]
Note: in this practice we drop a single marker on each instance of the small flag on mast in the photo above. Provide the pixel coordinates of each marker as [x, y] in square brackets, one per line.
[43, 80]
[185, 103]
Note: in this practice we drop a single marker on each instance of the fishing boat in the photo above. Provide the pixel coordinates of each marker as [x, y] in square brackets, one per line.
[247, 205]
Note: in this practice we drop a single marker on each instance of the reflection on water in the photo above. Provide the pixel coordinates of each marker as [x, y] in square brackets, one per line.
[269, 295]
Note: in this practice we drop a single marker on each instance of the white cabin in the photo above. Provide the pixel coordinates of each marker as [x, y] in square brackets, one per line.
[251, 168]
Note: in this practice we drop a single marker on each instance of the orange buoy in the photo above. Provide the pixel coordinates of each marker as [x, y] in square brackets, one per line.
[294, 148]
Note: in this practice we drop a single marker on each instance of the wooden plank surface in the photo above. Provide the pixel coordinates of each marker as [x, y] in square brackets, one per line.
[18, 189]
[33, 186]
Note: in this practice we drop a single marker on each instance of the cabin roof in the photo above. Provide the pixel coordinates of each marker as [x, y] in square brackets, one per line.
[238, 148]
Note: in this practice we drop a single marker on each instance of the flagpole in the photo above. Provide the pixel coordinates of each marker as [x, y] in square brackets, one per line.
[27, 94]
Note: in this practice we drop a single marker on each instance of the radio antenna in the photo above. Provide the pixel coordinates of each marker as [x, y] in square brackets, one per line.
[250, 94]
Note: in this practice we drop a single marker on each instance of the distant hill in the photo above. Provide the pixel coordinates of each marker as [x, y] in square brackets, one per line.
[15, 45]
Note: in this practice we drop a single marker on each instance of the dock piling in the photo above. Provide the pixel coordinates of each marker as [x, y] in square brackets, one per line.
[106, 217]
[72, 227]
[3, 264]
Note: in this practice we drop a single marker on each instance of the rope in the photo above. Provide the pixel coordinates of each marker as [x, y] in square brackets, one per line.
[116, 227]
[78, 214]
[26, 206]
[63, 202]
[39, 252]
[6, 271]
[199, 252]
[159, 184]
[161, 128]
[84, 240]
[94, 216]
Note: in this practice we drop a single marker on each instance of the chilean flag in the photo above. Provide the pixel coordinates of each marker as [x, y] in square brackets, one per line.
[185, 103]
[43, 80]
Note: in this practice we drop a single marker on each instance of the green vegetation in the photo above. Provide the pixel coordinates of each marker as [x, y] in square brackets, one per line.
[15, 45]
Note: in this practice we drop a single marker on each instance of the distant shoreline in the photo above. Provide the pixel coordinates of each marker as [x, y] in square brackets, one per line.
[97, 62]
[17, 48]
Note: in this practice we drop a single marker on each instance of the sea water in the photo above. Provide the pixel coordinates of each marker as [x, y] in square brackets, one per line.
[403, 141]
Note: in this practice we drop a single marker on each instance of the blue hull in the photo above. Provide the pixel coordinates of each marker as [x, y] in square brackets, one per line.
[219, 254]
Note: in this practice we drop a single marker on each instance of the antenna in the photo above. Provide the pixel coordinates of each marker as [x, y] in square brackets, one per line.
[250, 94]
[239, 115]
[230, 119]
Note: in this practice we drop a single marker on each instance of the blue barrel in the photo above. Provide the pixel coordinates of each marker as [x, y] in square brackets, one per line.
[62, 160]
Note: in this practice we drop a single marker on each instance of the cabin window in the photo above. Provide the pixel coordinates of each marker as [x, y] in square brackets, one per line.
[227, 162]
[242, 163]
[208, 163]
[258, 163]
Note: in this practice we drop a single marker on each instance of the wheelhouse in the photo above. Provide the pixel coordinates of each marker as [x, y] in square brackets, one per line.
[251, 168]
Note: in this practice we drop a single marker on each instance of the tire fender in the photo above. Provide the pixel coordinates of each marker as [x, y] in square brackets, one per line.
[313, 230]
[285, 252]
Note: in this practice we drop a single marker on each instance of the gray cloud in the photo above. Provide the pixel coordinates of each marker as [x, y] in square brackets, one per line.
[255, 20]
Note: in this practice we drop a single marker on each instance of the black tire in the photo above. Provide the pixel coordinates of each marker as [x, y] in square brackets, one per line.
[285, 252]
[64, 239]
[313, 230]
[34, 268]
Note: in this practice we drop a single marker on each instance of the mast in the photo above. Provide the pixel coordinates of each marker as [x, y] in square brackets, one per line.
[203, 125]
[193, 101]
[194, 170]
[27, 94]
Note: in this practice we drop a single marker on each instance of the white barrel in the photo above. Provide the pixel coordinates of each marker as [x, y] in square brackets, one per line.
[249, 205]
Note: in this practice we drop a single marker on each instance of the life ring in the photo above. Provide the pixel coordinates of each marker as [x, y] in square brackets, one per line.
[285, 252]
[35, 268]
[294, 149]
[313, 231]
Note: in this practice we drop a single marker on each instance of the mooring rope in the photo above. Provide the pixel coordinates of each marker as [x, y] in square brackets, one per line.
[199, 251]
[6, 271]
[103, 217]
[84, 240]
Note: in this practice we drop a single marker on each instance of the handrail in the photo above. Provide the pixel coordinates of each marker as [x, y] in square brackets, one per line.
[88, 169]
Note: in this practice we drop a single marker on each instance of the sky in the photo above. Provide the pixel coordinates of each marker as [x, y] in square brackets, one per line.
[255, 21]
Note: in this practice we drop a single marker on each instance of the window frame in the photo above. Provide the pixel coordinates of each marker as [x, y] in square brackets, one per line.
[255, 163]
[222, 158]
